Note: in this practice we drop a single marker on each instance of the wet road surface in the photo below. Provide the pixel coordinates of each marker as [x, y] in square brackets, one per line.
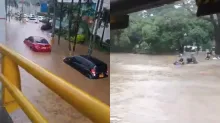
[149, 89]
[47, 102]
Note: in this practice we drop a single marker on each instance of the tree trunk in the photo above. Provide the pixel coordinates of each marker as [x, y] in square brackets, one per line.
[118, 35]
[217, 43]
[182, 49]
[216, 25]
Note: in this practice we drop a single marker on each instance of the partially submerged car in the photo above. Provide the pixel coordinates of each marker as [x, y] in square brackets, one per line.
[38, 44]
[89, 66]
[46, 26]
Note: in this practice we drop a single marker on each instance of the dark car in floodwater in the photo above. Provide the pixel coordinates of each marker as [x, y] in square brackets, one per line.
[89, 66]
[46, 26]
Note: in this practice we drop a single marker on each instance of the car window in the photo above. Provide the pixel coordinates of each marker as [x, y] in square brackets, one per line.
[73, 59]
[85, 63]
[31, 39]
[79, 59]
[43, 41]
[82, 61]
[89, 63]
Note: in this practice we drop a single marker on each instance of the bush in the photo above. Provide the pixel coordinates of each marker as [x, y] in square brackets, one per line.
[79, 39]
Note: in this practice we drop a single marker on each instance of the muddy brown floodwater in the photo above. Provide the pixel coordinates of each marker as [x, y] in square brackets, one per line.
[149, 89]
[48, 103]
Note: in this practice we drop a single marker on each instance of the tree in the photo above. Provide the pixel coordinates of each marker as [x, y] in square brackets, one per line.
[164, 29]
[214, 19]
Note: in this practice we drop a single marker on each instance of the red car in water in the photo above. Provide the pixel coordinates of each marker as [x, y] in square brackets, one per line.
[38, 44]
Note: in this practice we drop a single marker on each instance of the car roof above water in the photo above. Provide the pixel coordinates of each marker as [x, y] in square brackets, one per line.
[93, 60]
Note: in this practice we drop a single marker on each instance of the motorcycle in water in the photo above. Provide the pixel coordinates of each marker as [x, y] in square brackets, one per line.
[180, 61]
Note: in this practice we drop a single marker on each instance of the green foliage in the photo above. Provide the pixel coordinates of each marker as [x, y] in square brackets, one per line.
[86, 9]
[163, 30]
[79, 39]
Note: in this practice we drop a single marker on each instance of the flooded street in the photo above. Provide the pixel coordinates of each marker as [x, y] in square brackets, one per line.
[47, 102]
[150, 89]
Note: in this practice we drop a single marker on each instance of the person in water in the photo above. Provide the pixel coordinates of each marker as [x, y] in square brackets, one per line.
[208, 55]
[192, 60]
[180, 60]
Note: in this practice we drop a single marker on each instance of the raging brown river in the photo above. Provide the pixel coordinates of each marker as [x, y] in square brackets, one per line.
[150, 89]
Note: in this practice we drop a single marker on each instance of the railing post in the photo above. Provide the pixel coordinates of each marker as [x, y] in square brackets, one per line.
[10, 70]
